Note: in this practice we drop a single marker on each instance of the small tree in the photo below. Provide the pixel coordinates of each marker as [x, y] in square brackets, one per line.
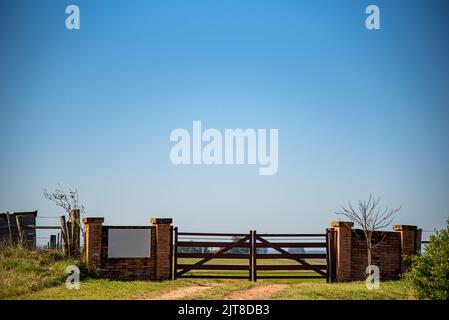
[70, 231]
[69, 201]
[429, 274]
[370, 217]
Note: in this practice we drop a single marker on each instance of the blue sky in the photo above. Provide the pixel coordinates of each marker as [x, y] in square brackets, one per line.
[358, 111]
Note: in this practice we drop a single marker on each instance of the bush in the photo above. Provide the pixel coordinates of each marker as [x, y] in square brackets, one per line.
[429, 274]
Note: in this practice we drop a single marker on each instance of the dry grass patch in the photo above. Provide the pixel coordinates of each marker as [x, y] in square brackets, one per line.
[24, 271]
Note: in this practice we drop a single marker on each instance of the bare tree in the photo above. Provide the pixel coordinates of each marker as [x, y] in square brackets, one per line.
[370, 217]
[69, 201]
[70, 231]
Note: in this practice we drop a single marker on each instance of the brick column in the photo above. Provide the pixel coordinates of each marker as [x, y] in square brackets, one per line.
[343, 258]
[163, 247]
[410, 241]
[92, 241]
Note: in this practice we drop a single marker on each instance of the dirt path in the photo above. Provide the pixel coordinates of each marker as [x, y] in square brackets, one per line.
[262, 292]
[184, 292]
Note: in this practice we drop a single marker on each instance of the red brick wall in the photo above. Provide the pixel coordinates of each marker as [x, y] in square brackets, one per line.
[352, 257]
[163, 234]
[128, 268]
[156, 267]
[387, 255]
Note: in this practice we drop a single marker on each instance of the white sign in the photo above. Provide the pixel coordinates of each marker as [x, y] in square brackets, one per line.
[129, 243]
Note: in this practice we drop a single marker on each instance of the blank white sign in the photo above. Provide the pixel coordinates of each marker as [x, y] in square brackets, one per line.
[129, 243]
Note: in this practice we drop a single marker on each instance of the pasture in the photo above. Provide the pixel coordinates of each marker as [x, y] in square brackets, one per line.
[216, 289]
[40, 275]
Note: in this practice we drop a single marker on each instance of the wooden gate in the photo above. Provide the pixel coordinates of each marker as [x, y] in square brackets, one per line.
[194, 251]
[254, 256]
[304, 255]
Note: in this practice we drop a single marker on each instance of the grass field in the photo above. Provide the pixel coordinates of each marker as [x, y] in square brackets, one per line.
[40, 275]
[23, 271]
[223, 289]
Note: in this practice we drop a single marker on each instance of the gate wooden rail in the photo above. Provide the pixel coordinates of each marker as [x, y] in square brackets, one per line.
[299, 253]
[219, 248]
[281, 244]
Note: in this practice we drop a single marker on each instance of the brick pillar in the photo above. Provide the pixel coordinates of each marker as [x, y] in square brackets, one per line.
[92, 241]
[410, 241]
[343, 254]
[163, 247]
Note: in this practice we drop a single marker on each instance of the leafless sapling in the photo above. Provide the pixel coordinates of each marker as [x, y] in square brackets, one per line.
[370, 217]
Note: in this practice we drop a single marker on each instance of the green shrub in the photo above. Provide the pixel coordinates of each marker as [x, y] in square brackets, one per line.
[429, 274]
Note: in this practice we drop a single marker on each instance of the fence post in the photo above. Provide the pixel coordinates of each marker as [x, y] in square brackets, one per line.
[93, 229]
[328, 257]
[251, 256]
[175, 255]
[64, 236]
[163, 252]
[331, 254]
[410, 237]
[171, 253]
[69, 238]
[343, 254]
[8, 221]
[254, 256]
[20, 230]
[53, 241]
[75, 226]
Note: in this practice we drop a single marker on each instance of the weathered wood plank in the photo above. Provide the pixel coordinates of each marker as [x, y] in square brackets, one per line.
[213, 267]
[290, 267]
[210, 244]
[218, 234]
[293, 244]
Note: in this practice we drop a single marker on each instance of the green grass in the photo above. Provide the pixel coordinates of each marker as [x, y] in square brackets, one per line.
[389, 290]
[24, 271]
[102, 289]
[40, 275]
[93, 289]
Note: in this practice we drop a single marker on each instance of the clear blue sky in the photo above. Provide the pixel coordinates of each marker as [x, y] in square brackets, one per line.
[358, 111]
